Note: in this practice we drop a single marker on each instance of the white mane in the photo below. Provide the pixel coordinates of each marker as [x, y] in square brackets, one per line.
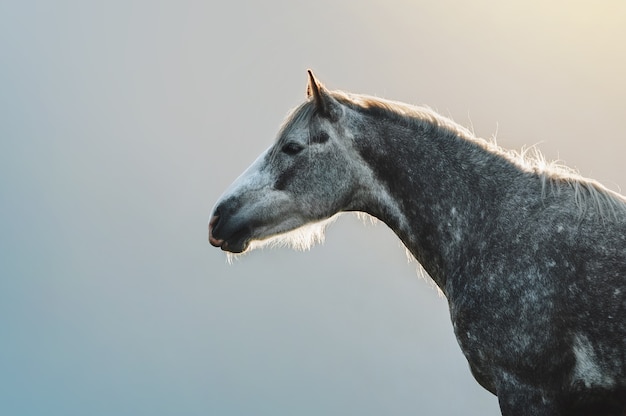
[588, 193]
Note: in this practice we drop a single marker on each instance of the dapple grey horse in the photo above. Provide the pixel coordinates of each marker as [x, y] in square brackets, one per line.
[530, 256]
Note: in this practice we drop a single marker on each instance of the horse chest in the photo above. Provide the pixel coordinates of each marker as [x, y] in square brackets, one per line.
[505, 330]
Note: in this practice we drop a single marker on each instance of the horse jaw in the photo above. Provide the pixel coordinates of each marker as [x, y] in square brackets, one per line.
[301, 238]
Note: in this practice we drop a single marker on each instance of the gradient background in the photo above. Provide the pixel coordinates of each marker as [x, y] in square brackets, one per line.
[121, 123]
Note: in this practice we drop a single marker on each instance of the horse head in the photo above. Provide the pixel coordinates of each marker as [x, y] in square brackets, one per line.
[308, 175]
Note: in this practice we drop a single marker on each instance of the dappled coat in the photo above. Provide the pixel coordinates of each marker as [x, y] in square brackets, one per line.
[530, 256]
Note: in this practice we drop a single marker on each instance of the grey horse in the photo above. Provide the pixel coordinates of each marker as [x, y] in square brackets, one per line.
[530, 256]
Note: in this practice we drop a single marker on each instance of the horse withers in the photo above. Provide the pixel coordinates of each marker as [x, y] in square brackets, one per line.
[530, 256]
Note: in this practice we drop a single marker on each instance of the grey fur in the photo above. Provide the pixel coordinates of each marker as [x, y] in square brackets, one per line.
[531, 256]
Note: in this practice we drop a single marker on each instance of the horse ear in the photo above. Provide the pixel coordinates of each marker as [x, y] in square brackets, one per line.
[324, 102]
[313, 87]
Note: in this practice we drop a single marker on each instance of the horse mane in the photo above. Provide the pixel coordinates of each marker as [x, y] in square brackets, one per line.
[588, 193]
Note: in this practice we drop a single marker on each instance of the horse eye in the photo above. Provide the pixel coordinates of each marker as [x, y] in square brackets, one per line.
[292, 148]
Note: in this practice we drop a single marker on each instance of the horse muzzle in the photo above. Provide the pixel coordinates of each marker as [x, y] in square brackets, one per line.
[227, 235]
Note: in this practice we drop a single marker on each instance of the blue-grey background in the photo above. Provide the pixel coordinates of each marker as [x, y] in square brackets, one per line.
[121, 122]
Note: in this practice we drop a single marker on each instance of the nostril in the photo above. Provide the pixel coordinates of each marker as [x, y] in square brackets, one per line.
[212, 223]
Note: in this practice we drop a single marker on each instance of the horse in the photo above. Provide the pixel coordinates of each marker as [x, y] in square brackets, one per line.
[530, 256]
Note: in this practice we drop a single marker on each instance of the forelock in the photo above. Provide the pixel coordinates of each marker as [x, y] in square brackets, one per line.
[298, 117]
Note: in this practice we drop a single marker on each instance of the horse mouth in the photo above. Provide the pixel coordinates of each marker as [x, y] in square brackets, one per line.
[235, 248]
[237, 243]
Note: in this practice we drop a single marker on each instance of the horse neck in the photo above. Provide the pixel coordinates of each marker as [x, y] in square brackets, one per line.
[444, 185]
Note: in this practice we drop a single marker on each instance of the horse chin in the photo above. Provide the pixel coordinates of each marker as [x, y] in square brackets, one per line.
[248, 238]
[298, 237]
[235, 247]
